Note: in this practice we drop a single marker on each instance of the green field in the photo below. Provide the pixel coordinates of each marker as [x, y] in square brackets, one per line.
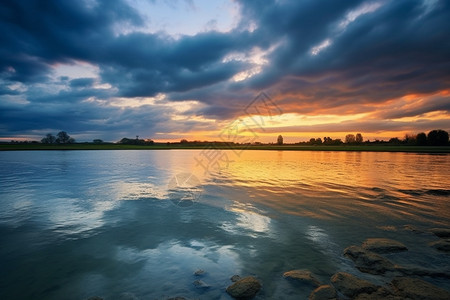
[111, 146]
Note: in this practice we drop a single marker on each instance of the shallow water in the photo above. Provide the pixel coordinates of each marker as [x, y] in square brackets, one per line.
[124, 224]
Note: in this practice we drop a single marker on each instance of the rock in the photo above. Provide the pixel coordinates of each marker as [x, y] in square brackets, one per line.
[245, 288]
[351, 286]
[441, 232]
[413, 288]
[381, 245]
[235, 278]
[302, 276]
[379, 294]
[441, 245]
[367, 261]
[418, 271]
[199, 272]
[201, 284]
[323, 292]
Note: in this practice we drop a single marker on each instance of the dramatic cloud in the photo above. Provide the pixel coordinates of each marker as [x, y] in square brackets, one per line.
[108, 69]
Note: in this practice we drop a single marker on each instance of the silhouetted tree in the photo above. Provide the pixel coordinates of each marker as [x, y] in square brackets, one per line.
[395, 141]
[437, 137]
[49, 139]
[410, 139]
[336, 142]
[358, 138]
[350, 139]
[97, 141]
[184, 141]
[318, 141]
[63, 138]
[421, 139]
[127, 141]
[280, 140]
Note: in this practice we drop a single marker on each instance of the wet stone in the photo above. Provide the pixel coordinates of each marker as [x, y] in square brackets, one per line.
[368, 262]
[351, 286]
[245, 288]
[381, 293]
[302, 276]
[441, 245]
[199, 272]
[441, 232]
[414, 288]
[382, 245]
[201, 284]
[323, 292]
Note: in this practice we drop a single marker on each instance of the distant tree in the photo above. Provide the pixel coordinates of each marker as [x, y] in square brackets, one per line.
[49, 139]
[359, 138]
[350, 139]
[184, 141]
[312, 141]
[97, 141]
[280, 140]
[421, 139]
[410, 139]
[127, 141]
[337, 142]
[318, 141]
[437, 137]
[62, 137]
[394, 141]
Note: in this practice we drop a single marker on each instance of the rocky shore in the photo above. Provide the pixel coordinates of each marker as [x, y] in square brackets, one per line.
[403, 282]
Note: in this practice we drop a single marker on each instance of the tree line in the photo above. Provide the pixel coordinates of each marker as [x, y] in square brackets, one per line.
[61, 138]
[435, 137]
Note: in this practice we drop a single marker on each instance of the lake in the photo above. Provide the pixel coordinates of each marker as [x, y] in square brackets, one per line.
[138, 224]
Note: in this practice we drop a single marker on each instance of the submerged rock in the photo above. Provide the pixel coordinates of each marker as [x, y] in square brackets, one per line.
[419, 271]
[201, 284]
[323, 292]
[367, 261]
[235, 278]
[351, 286]
[381, 293]
[199, 272]
[245, 288]
[441, 245]
[441, 232]
[302, 276]
[413, 288]
[382, 245]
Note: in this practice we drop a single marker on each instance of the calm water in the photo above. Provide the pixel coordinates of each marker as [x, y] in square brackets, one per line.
[75, 224]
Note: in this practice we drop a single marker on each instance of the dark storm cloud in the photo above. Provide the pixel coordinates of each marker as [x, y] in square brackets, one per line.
[36, 34]
[392, 50]
[400, 48]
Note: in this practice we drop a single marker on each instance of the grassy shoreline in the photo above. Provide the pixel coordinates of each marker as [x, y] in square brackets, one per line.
[110, 146]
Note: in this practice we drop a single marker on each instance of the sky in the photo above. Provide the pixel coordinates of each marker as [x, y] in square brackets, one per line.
[223, 70]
